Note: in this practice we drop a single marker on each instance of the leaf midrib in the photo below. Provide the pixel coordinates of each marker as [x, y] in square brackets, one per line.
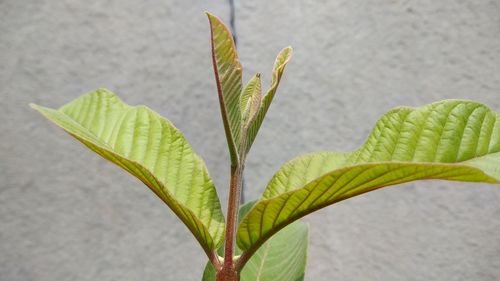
[105, 146]
[261, 266]
[462, 164]
[288, 194]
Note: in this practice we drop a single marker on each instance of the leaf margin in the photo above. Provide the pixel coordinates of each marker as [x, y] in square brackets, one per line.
[250, 246]
[208, 241]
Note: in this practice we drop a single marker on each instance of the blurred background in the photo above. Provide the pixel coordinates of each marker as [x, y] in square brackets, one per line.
[67, 214]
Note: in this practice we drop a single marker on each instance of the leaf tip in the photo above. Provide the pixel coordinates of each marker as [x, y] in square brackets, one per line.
[288, 52]
[211, 17]
[35, 106]
[102, 89]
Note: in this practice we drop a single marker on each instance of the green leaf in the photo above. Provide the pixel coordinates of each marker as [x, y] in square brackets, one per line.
[279, 66]
[228, 72]
[149, 147]
[208, 273]
[251, 100]
[449, 140]
[281, 258]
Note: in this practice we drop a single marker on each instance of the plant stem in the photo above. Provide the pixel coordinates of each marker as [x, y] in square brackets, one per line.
[232, 212]
[228, 272]
[227, 275]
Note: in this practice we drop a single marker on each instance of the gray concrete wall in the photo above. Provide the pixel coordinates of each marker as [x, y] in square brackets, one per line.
[66, 214]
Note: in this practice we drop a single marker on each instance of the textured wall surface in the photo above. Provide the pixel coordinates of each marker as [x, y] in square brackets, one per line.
[66, 214]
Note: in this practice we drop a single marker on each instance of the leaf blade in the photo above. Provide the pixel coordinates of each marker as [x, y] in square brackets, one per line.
[149, 147]
[251, 100]
[438, 141]
[282, 59]
[282, 258]
[228, 76]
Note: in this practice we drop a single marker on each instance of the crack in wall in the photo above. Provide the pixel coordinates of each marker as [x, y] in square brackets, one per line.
[232, 20]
